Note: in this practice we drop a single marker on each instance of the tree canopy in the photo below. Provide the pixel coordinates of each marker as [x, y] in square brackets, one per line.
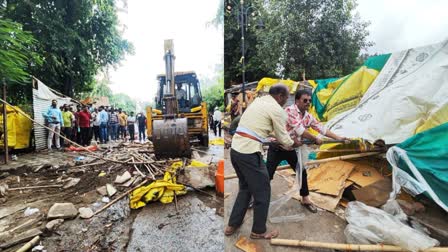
[75, 39]
[213, 94]
[320, 37]
[16, 52]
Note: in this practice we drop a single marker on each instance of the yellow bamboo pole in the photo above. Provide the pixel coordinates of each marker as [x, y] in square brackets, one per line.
[347, 247]
[346, 157]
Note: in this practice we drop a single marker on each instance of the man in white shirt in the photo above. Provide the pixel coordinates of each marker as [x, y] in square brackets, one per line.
[181, 95]
[263, 116]
[217, 121]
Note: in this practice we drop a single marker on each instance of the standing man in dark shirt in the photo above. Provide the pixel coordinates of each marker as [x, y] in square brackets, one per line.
[84, 125]
[141, 121]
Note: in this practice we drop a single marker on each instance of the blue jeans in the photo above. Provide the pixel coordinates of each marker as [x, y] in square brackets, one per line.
[103, 132]
[113, 131]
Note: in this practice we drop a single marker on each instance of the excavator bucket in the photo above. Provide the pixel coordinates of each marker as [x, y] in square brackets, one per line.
[170, 138]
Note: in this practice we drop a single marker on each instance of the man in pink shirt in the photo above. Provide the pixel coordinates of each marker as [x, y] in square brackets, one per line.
[298, 123]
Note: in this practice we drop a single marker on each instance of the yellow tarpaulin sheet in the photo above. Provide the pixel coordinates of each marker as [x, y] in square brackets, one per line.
[19, 128]
[217, 141]
[265, 84]
[160, 190]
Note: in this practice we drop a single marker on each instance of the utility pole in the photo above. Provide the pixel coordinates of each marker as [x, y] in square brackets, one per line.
[5, 124]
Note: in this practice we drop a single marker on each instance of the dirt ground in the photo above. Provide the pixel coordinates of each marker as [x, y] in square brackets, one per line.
[114, 229]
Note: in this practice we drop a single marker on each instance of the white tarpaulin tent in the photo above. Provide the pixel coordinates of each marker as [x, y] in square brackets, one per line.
[409, 95]
[42, 96]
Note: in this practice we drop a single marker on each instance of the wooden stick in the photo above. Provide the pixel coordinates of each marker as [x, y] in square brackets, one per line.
[135, 166]
[34, 187]
[279, 168]
[85, 165]
[29, 244]
[352, 156]
[120, 197]
[347, 247]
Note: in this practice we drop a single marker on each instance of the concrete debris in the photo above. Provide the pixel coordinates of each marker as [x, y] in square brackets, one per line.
[54, 224]
[71, 182]
[38, 248]
[102, 190]
[62, 210]
[198, 177]
[3, 189]
[105, 199]
[123, 178]
[4, 175]
[130, 182]
[85, 212]
[110, 190]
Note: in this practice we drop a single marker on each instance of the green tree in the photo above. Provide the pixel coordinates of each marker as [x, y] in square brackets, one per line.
[213, 95]
[320, 37]
[123, 101]
[75, 39]
[16, 52]
[101, 88]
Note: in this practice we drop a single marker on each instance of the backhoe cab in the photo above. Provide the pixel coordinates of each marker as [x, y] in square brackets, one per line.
[180, 117]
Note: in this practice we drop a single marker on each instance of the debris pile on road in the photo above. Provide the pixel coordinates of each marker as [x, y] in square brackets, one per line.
[84, 189]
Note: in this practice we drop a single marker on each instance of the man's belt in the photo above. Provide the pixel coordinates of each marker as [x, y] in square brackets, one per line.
[245, 132]
[248, 136]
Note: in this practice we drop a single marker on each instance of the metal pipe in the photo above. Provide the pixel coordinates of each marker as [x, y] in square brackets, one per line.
[242, 53]
[5, 124]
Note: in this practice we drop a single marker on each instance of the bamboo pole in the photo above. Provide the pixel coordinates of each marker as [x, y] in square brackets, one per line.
[346, 150]
[347, 247]
[29, 244]
[70, 141]
[346, 157]
[34, 187]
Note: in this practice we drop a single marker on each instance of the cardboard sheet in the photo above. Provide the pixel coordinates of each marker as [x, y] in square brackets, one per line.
[323, 201]
[375, 194]
[364, 174]
[329, 178]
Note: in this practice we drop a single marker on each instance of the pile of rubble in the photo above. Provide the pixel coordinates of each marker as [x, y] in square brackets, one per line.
[89, 191]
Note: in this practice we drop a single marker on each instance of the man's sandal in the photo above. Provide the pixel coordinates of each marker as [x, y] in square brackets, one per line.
[267, 235]
[230, 230]
[310, 207]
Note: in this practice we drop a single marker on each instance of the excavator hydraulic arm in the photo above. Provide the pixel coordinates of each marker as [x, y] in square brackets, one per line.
[170, 135]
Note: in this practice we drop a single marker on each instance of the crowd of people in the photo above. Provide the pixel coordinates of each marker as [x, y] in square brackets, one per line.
[86, 123]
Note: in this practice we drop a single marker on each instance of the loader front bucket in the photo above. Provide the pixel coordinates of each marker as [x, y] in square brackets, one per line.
[170, 138]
